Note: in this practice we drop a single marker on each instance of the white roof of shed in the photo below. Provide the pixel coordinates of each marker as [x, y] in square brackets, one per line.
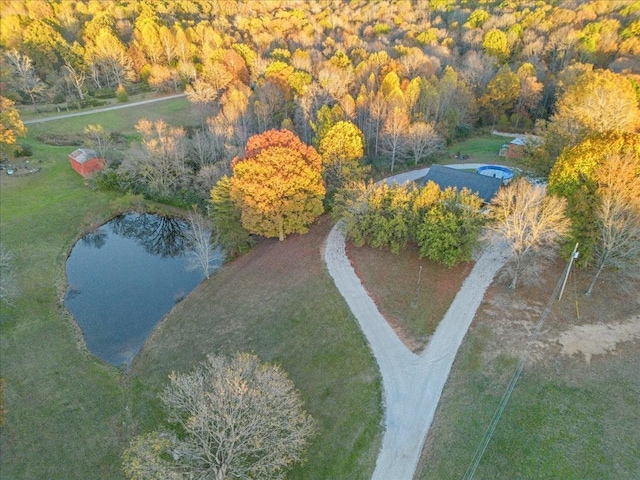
[83, 155]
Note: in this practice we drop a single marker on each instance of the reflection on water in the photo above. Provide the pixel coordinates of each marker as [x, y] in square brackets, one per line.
[158, 235]
[123, 278]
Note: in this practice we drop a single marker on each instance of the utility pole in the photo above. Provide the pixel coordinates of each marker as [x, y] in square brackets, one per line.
[574, 255]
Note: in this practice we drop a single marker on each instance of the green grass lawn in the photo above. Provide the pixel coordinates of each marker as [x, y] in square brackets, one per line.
[566, 418]
[175, 112]
[64, 410]
[70, 416]
[482, 148]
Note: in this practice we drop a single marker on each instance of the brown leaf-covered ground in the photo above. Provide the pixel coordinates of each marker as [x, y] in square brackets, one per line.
[412, 293]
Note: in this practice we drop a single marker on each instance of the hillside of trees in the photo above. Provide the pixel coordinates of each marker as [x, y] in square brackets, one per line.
[257, 65]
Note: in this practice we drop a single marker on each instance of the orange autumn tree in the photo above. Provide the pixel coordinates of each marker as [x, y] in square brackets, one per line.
[278, 184]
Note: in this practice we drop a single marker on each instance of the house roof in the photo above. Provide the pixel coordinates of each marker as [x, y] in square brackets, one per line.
[83, 155]
[485, 187]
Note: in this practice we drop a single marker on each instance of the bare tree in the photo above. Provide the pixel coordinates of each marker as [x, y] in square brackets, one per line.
[75, 77]
[233, 121]
[205, 147]
[269, 105]
[8, 281]
[24, 77]
[423, 141]
[107, 61]
[234, 418]
[416, 63]
[378, 109]
[618, 218]
[203, 250]
[209, 175]
[336, 81]
[98, 139]
[203, 96]
[531, 222]
[394, 134]
[161, 160]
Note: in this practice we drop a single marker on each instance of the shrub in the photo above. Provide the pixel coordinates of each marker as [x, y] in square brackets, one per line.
[22, 150]
[121, 94]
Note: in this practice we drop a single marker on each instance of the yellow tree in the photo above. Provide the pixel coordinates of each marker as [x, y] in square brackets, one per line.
[501, 94]
[577, 176]
[530, 93]
[341, 149]
[618, 219]
[278, 184]
[600, 101]
[597, 102]
[495, 43]
[11, 127]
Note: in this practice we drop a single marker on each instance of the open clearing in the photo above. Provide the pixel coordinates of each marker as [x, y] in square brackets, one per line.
[575, 411]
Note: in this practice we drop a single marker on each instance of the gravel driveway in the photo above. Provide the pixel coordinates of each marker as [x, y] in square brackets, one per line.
[412, 383]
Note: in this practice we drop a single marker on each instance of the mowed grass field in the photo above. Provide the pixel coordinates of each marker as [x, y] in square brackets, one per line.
[63, 409]
[70, 416]
[176, 112]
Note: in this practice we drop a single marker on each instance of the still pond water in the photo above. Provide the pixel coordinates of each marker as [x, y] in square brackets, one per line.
[124, 278]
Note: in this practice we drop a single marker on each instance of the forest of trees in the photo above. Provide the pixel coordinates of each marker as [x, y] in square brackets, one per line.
[399, 70]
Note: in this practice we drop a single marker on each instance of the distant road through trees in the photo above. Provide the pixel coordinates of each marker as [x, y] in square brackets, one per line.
[106, 109]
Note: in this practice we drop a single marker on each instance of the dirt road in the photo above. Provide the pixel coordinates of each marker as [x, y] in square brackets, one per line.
[412, 383]
[106, 109]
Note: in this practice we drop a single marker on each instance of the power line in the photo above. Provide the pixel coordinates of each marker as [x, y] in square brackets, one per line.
[471, 470]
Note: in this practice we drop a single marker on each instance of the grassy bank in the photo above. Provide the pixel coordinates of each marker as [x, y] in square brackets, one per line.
[279, 302]
[64, 409]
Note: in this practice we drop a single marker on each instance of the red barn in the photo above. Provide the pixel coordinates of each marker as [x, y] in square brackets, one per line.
[85, 161]
[515, 149]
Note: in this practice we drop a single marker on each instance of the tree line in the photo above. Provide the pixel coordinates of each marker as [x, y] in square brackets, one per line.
[255, 66]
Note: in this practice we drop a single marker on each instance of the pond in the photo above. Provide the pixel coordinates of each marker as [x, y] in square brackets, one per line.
[124, 277]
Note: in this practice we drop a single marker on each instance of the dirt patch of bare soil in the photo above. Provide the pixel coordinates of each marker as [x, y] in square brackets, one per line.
[578, 326]
[412, 293]
[598, 339]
